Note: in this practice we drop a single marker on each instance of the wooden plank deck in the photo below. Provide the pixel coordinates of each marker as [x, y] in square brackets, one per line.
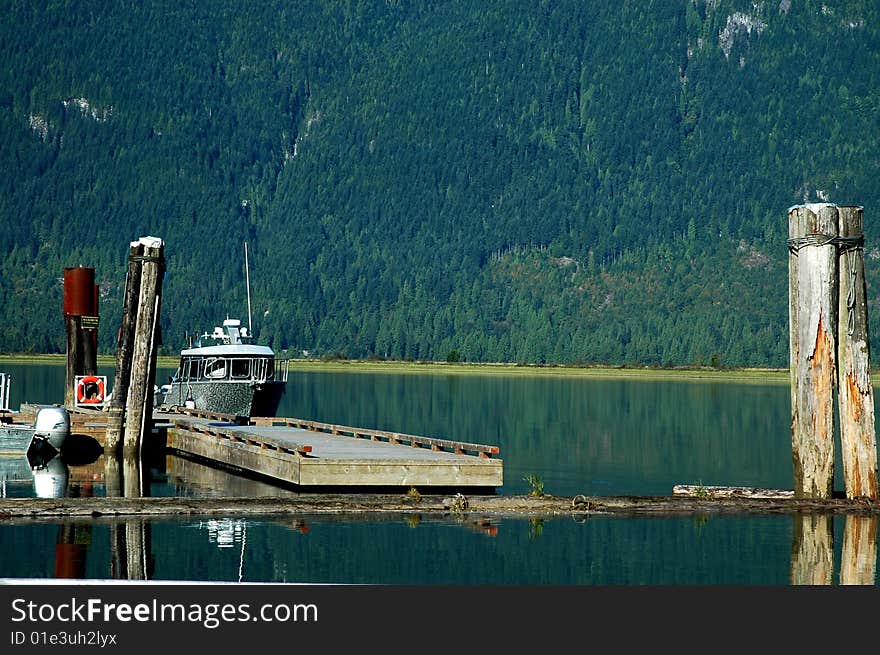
[313, 454]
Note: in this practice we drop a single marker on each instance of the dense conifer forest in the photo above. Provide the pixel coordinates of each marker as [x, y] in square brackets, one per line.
[541, 182]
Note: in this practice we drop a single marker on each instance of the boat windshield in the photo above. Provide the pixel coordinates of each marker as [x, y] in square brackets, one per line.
[257, 369]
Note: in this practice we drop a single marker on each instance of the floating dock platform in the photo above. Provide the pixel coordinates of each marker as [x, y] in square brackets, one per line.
[313, 454]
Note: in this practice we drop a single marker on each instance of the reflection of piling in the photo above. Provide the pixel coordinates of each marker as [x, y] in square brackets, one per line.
[136, 550]
[112, 475]
[132, 477]
[829, 348]
[131, 551]
[80, 326]
[858, 565]
[812, 552]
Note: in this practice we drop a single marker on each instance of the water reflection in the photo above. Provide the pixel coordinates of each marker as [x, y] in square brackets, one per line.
[34, 474]
[812, 559]
[796, 550]
[131, 556]
[859, 559]
[51, 478]
[600, 437]
[812, 555]
[184, 477]
[71, 549]
[224, 533]
[581, 435]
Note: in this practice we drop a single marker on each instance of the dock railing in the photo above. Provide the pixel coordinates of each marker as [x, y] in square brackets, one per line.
[434, 443]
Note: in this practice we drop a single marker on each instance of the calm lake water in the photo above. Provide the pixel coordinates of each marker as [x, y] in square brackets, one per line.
[579, 435]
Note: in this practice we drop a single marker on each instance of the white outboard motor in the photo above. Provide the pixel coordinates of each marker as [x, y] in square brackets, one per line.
[52, 425]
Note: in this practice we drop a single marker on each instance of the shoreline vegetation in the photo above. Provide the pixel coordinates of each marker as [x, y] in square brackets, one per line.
[763, 375]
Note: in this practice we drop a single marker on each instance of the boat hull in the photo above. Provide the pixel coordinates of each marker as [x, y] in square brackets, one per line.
[15, 438]
[242, 398]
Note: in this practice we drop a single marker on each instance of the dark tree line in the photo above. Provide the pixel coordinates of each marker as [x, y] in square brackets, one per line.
[556, 182]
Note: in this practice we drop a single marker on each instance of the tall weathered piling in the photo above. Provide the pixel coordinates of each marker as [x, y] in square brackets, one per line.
[829, 349]
[813, 316]
[80, 327]
[139, 404]
[855, 390]
[124, 347]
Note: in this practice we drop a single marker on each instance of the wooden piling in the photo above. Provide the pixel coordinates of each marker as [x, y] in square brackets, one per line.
[139, 408]
[80, 301]
[855, 389]
[813, 313]
[73, 335]
[125, 345]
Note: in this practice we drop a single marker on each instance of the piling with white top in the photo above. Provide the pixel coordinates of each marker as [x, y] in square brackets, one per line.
[139, 405]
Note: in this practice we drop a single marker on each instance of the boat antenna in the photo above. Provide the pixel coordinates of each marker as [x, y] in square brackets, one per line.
[247, 276]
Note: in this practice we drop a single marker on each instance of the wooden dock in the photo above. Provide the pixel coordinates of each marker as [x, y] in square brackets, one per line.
[313, 454]
[309, 453]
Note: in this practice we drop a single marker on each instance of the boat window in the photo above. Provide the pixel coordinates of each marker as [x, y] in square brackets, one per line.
[215, 368]
[191, 370]
[241, 368]
[263, 369]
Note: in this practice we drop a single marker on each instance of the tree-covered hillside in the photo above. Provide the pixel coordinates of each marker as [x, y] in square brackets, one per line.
[560, 181]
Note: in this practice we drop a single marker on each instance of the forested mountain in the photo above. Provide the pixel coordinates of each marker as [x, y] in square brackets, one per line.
[565, 181]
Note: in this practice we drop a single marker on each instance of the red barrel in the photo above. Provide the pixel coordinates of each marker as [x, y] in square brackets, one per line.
[79, 292]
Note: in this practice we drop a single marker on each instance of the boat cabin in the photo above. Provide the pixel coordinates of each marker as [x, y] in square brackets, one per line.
[228, 353]
[260, 368]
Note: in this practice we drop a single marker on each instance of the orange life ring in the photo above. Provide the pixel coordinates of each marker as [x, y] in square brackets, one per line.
[90, 390]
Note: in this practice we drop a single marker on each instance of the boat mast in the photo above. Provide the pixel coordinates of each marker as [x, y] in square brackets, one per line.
[247, 276]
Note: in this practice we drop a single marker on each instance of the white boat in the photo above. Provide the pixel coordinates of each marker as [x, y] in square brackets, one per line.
[15, 438]
[224, 371]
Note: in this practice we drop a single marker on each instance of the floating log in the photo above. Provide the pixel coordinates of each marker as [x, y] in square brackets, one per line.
[359, 504]
[855, 390]
[700, 491]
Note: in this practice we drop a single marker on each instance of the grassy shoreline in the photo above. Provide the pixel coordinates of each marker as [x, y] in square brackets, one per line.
[508, 369]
